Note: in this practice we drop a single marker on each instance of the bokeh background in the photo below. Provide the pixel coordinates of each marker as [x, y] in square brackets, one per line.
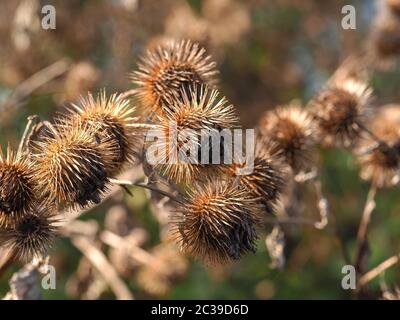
[269, 52]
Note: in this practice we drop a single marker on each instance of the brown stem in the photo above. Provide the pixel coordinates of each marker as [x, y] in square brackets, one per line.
[105, 268]
[363, 227]
[322, 205]
[370, 275]
[27, 87]
[142, 126]
[146, 186]
[115, 241]
[32, 121]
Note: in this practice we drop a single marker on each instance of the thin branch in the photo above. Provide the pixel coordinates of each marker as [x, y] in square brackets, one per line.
[322, 203]
[364, 223]
[115, 241]
[27, 87]
[147, 186]
[32, 121]
[105, 268]
[370, 275]
[366, 217]
[323, 206]
[302, 177]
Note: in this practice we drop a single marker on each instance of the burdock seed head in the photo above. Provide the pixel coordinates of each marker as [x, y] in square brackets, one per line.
[16, 187]
[69, 166]
[268, 177]
[340, 110]
[217, 222]
[291, 133]
[202, 112]
[111, 119]
[32, 235]
[380, 162]
[163, 73]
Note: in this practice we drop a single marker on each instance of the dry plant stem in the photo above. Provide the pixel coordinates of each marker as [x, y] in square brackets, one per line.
[115, 241]
[366, 217]
[100, 262]
[87, 229]
[27, 87]
[146, 186]
[324, 212]
[322, 208]
[370, 275]
[162, 205]
[142, 126]
[363, 228]
[164, 193]
[32, 121]
[134, 173]
[306, 176]
[50, 126]
[322, 205]
[322, 202]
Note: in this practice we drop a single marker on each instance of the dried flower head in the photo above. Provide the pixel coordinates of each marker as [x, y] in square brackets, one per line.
[167, 267]
[380, 162]
[16, 187]
[165, 72]
[32, 235]
[340, 111]
[198, 115]
[217, 222]
[292, 133]
[69, 165]
[267, 178]
[111, 118]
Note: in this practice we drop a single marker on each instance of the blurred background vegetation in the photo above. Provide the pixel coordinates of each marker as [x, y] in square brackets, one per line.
[269, 52]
